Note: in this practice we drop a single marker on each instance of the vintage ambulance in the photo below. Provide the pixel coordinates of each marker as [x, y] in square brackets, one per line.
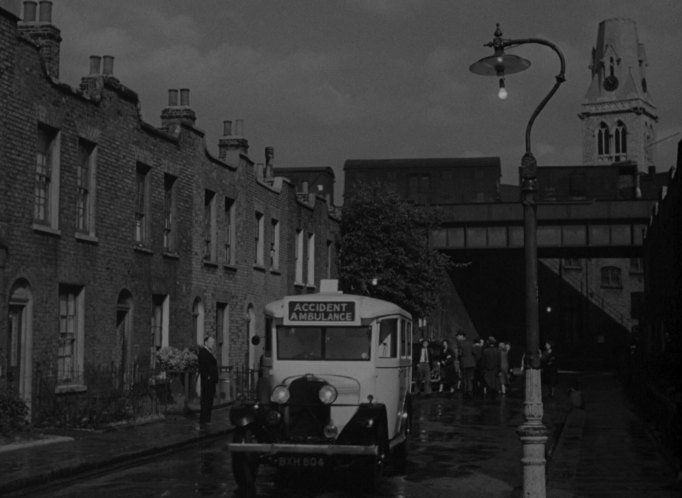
[334, 389]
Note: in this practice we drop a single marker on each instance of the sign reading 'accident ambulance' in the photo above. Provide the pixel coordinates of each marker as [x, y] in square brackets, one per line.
[340, 312]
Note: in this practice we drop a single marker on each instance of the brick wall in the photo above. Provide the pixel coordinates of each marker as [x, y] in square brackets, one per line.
[108, 267]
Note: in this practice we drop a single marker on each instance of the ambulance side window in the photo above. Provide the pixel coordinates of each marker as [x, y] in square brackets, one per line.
[388, 338]
[404, 339]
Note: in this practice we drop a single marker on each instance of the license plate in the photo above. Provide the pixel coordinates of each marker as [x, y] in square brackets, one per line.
[302, 462]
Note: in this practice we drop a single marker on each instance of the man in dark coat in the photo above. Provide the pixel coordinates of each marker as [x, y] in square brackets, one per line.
[467, 362]
[208, 375]
[492, 360]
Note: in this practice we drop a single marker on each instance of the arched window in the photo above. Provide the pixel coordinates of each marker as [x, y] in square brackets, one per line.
[610, 277]
[603, 142]
[620, 142]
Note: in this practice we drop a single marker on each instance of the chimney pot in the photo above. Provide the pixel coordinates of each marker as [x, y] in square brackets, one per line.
[95, 62]
[239, 128]
[172, 98]
[108, 69]
[227, 128]
[30, 11]
[46, 11]
[269, 157]
[184, 97]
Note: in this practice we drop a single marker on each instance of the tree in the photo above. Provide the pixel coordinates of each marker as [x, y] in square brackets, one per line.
[384, 250]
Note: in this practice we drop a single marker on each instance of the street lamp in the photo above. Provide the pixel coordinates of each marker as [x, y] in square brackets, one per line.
[532, 432]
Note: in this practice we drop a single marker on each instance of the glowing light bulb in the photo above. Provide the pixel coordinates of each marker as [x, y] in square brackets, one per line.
[502, 92]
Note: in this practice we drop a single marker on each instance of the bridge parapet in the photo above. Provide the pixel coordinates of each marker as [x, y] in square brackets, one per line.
[586, 227]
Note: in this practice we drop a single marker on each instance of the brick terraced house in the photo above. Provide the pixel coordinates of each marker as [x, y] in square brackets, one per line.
[118, 237]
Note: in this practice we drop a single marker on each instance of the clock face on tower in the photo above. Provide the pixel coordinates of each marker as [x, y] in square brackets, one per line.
[610, 83]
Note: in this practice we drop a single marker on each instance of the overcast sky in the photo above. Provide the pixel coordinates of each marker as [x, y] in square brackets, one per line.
[326, 81]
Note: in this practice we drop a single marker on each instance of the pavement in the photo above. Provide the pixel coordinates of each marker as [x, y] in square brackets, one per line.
[606, 450]
[602, 450]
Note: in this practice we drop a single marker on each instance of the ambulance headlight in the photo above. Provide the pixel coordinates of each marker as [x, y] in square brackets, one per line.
[280, 395]
[328, 394]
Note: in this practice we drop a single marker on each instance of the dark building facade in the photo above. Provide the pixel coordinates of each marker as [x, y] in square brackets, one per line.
[118, 238]
[431, 181]
[661, 326]
[311, 181]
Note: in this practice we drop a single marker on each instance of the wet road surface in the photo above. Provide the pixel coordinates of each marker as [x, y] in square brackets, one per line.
[457, 448]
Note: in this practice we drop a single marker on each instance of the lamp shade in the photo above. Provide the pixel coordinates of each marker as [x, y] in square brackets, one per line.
[499, 65]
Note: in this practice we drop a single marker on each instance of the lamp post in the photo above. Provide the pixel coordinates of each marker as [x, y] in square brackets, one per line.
[532, 432]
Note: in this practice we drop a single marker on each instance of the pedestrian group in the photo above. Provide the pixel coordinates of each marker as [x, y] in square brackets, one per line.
[476, 368]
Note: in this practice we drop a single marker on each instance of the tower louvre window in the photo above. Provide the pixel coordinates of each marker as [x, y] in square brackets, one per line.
[620, 142]
[603, 142]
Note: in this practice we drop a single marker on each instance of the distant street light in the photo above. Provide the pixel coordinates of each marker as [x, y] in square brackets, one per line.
[532, 432]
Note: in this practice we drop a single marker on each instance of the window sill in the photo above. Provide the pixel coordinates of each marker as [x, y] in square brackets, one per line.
[229, 267]
[171, 255]
[260, 268]
[299, 284]
[275, 271]
[143, 249]
[311, 286]
[86, 237]
[70, 388]
[209, 263]
[612, 287]
[39, 227]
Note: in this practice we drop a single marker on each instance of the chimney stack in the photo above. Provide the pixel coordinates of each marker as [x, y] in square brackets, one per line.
[269, 163]
[30, 12]
[95, 65]
[175, 114]
[184, 97]
[37, 25]
[108, 65]
[233, 143]
[100, 67]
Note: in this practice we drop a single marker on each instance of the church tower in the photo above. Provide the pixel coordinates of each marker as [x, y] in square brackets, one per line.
[618, 113]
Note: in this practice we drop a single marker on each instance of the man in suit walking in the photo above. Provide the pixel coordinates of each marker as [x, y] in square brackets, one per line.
[467, 362]
[208, 375]
[423, 367]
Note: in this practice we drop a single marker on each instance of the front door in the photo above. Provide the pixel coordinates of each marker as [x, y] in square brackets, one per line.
[123, 336]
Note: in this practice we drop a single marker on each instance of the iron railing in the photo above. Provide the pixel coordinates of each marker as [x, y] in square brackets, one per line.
[107, 395]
